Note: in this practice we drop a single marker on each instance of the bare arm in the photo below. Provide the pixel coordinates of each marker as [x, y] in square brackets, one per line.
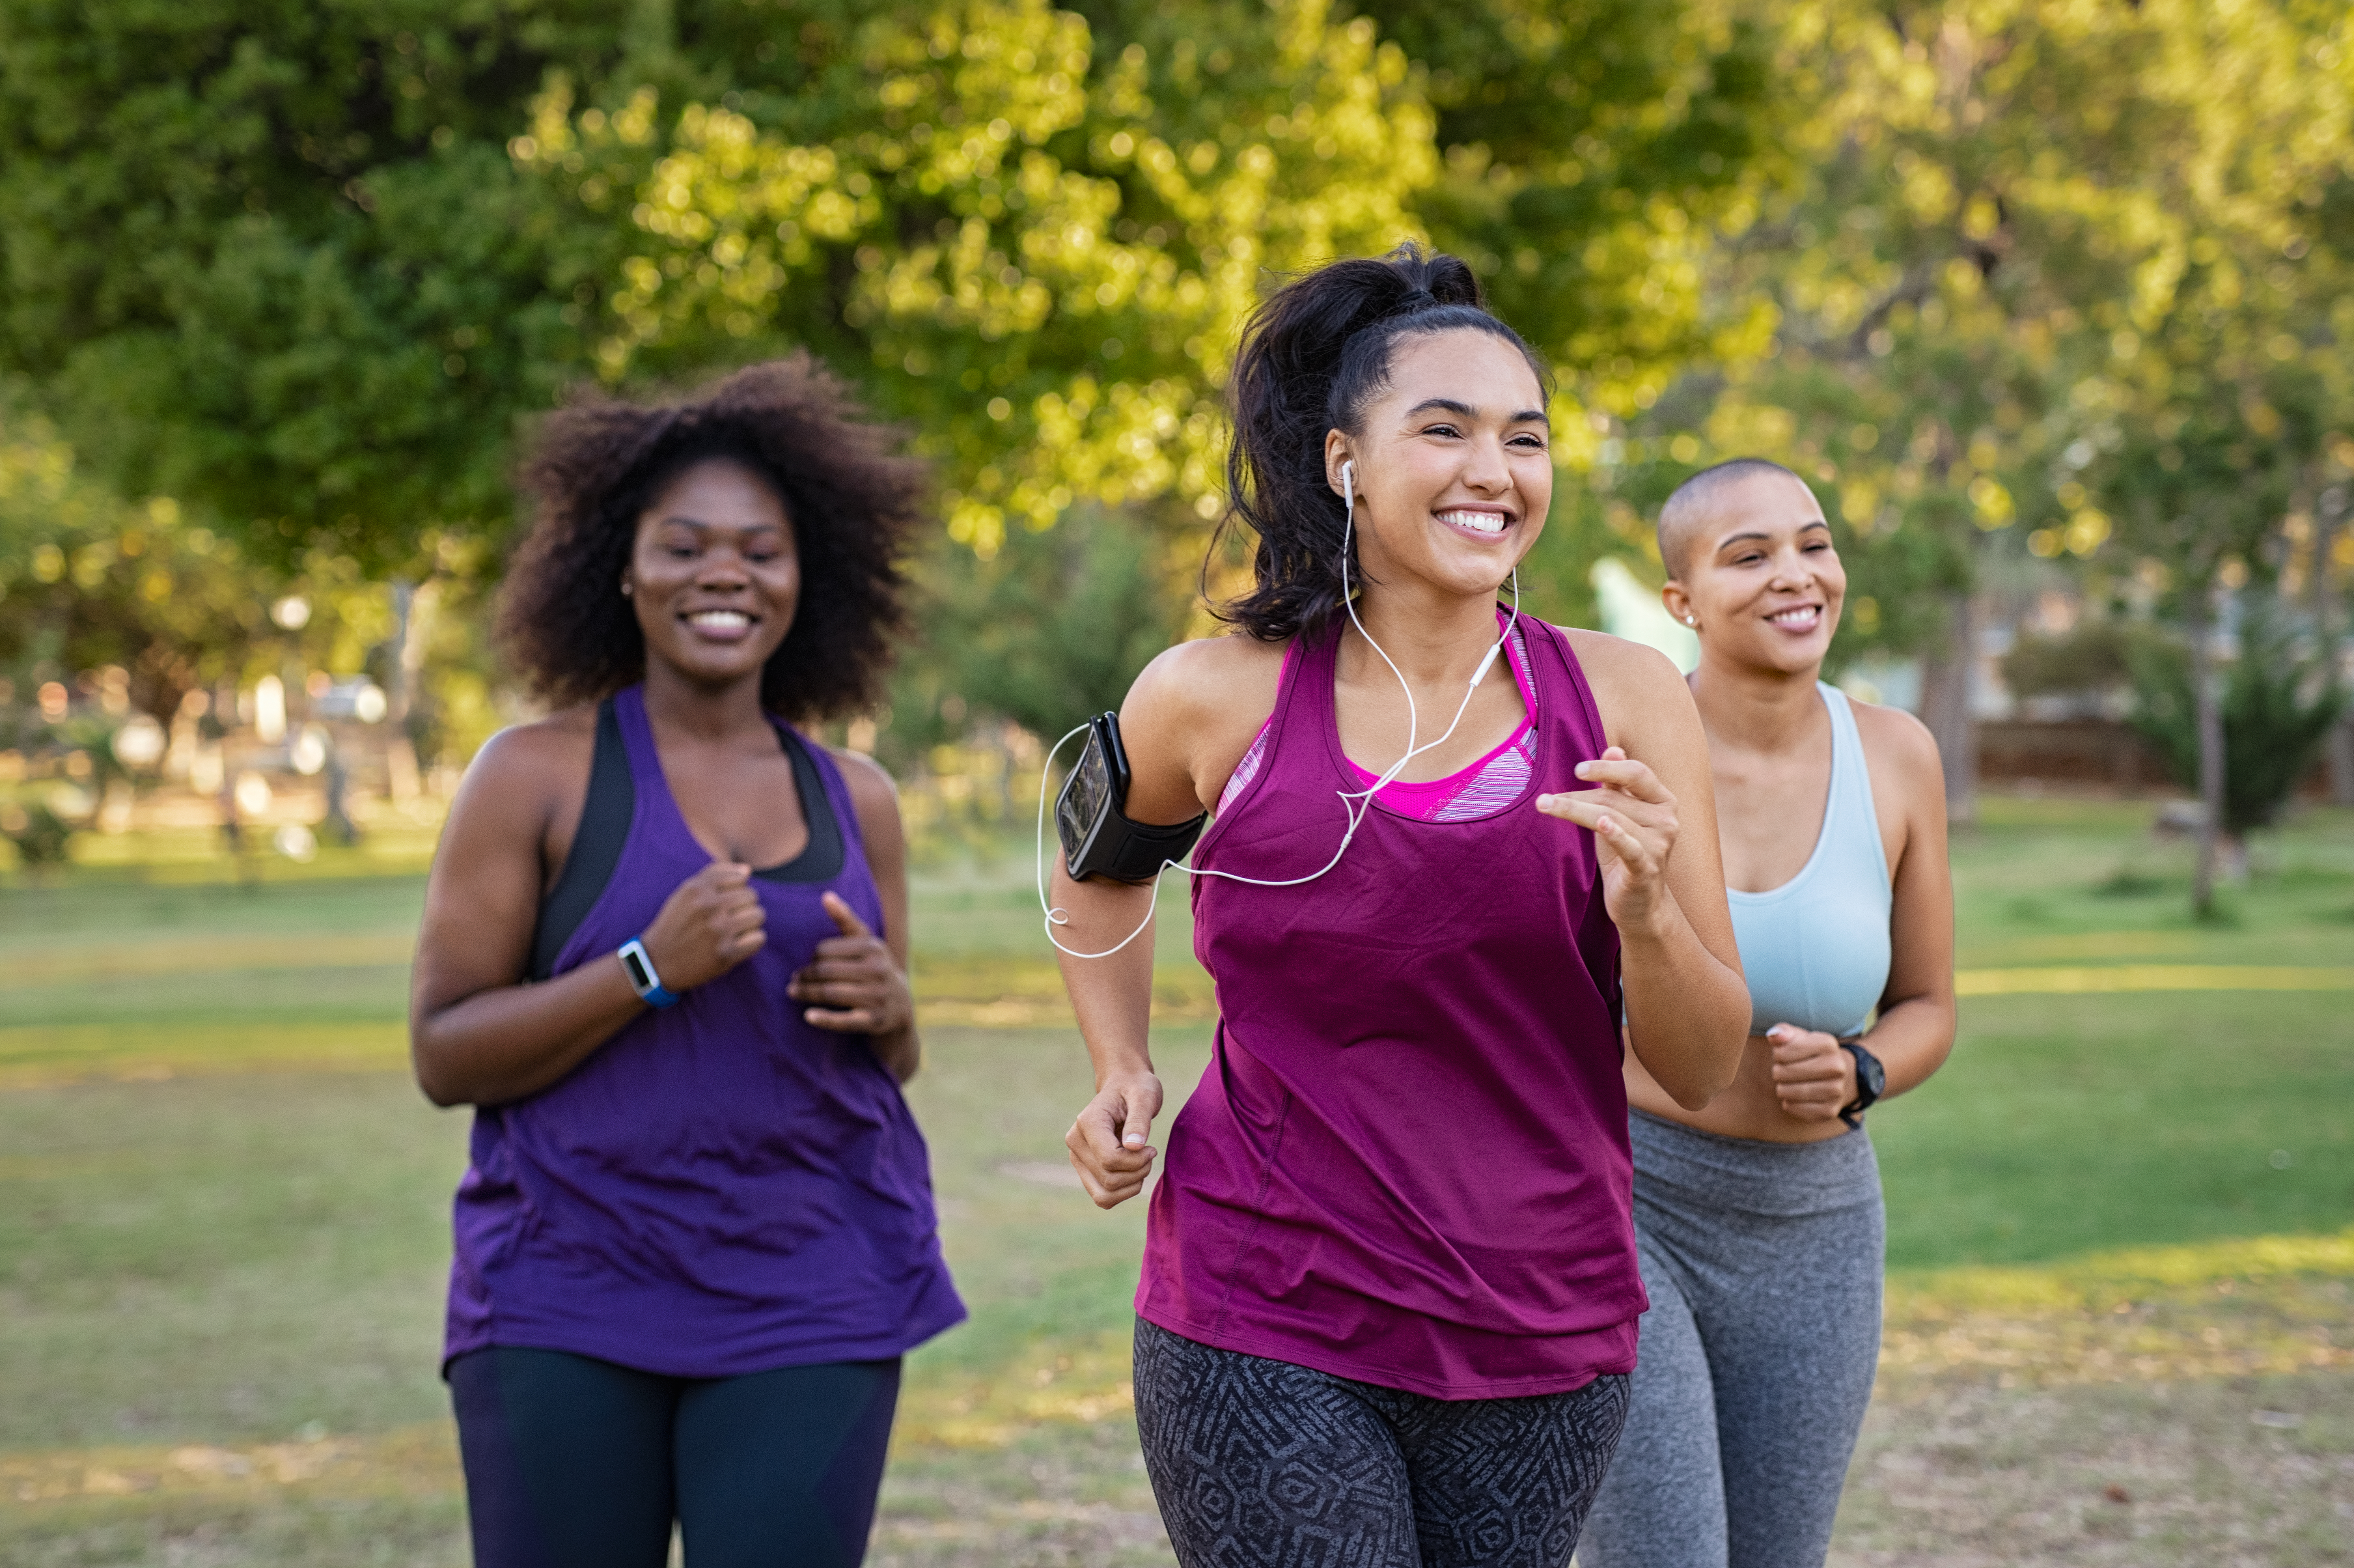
[1653, 815]
[857, 981]
[479, 1032]
[1187, 722]
[1914, 1032]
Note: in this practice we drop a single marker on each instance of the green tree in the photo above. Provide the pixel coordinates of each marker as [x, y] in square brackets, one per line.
[87, 581]
[273, 259]
[2276, 700]
[1997, 198]
[305, 267]
[1052, 628]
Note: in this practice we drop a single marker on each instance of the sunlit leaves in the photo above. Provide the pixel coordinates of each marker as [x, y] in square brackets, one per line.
[1003, 220]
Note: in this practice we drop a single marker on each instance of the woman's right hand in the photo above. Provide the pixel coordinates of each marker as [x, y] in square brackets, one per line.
[710, 923]
[1108, 1141]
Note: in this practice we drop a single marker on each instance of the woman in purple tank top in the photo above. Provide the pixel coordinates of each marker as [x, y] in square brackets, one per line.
[1390, 1289]
[665, 957]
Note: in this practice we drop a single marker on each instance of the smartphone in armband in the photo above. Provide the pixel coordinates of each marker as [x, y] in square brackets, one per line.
[1091, 818]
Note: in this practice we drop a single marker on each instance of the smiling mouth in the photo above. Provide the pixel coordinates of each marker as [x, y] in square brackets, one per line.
[720, 622]
[1489, 523]
[1799, 618]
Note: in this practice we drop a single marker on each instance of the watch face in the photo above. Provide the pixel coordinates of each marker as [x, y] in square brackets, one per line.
[637, 967]
[1871, 1075]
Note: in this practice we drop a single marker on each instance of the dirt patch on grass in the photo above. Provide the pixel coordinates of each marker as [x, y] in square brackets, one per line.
[2223, 1473]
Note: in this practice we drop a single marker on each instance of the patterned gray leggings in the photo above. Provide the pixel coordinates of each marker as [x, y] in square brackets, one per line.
[1262, 1464]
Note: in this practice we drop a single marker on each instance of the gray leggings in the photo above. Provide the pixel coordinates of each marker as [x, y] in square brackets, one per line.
[1763, 1263]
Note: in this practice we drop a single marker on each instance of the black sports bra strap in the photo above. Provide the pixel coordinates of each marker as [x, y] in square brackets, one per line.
[597, 845]
[822, 858]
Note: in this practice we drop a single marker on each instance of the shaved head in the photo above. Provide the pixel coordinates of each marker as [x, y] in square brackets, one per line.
[1695, 501]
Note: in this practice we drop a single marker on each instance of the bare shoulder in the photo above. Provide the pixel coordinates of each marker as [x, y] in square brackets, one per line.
[521, 794]
[1204, 693]
[1208, 675]
[871, 786]
[1636, 687]
[1191, 715]
[1603, 656]
[526, 758]
[1898, 742]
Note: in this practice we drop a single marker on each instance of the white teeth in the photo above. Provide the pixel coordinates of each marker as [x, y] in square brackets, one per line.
[1805, 616]
[720, 619]
[1478, 521]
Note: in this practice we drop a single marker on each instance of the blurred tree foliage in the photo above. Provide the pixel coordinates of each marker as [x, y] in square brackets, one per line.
[87, 581]
[303, 267]
[2000, 203]
[2279, 698]
[1052, 628]
[2093, 657]
[2061, 279]
[270, 257]
[1594, 157]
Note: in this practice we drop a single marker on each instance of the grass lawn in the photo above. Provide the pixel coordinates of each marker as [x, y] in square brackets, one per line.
[2121, 1315]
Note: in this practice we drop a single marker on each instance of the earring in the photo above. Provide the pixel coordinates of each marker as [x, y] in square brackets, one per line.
[1688, 620]
[625, 587]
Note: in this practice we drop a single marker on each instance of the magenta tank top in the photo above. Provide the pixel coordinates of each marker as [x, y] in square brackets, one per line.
[1407, 1162]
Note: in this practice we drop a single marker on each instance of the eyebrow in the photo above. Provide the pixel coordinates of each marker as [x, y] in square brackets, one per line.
[1731, 539]
[1449, 406]
[682, 520]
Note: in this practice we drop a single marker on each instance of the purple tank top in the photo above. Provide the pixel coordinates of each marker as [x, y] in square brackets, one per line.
[720, 1188]
[1407, 1161]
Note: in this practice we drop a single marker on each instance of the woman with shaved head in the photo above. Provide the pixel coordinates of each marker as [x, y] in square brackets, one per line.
[1759, 1220]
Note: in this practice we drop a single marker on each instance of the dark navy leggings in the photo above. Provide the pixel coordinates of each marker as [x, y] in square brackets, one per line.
[577, 1462]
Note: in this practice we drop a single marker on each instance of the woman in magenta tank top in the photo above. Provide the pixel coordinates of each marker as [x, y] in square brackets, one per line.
[665, 957]
[1390, 1290]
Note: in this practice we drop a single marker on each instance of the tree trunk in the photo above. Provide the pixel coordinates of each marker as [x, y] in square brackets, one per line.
[412, 614]
[2339, 746]
[1947, 678]
[2207, 704]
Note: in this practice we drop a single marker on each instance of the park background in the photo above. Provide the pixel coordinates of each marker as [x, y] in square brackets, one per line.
[2049, 297]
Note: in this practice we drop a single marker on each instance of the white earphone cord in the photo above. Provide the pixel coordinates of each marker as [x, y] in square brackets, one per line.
[1354, 802]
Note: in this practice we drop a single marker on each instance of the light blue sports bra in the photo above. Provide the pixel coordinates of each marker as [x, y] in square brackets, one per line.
[1815, 950]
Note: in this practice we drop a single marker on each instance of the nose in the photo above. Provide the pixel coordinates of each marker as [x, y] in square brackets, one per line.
[722, 569]
[1486, 470]
[1792, 570]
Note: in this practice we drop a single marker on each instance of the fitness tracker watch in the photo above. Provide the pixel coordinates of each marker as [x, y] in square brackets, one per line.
[1089, 817]
[1870, 1082]
[639, 965]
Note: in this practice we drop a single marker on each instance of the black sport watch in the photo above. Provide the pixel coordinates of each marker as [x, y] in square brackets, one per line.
[1870, 1082]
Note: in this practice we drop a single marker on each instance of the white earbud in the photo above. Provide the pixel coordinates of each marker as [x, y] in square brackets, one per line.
[1354, 803]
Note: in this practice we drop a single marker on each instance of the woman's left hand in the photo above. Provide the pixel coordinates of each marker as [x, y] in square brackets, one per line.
[1633, 819]
[1813, 1076]
[853, 986]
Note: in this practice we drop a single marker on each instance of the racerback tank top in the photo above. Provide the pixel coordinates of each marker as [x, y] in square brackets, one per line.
[1816, 949]
[1407, 1162]
[720, 1188]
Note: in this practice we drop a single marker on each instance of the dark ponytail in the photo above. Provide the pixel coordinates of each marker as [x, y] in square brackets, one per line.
[1313, 356]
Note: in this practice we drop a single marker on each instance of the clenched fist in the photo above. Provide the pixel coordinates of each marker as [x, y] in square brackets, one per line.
[853, 986]
[710, 923]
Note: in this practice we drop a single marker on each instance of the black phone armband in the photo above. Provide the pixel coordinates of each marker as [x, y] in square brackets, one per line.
[1092, 822]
